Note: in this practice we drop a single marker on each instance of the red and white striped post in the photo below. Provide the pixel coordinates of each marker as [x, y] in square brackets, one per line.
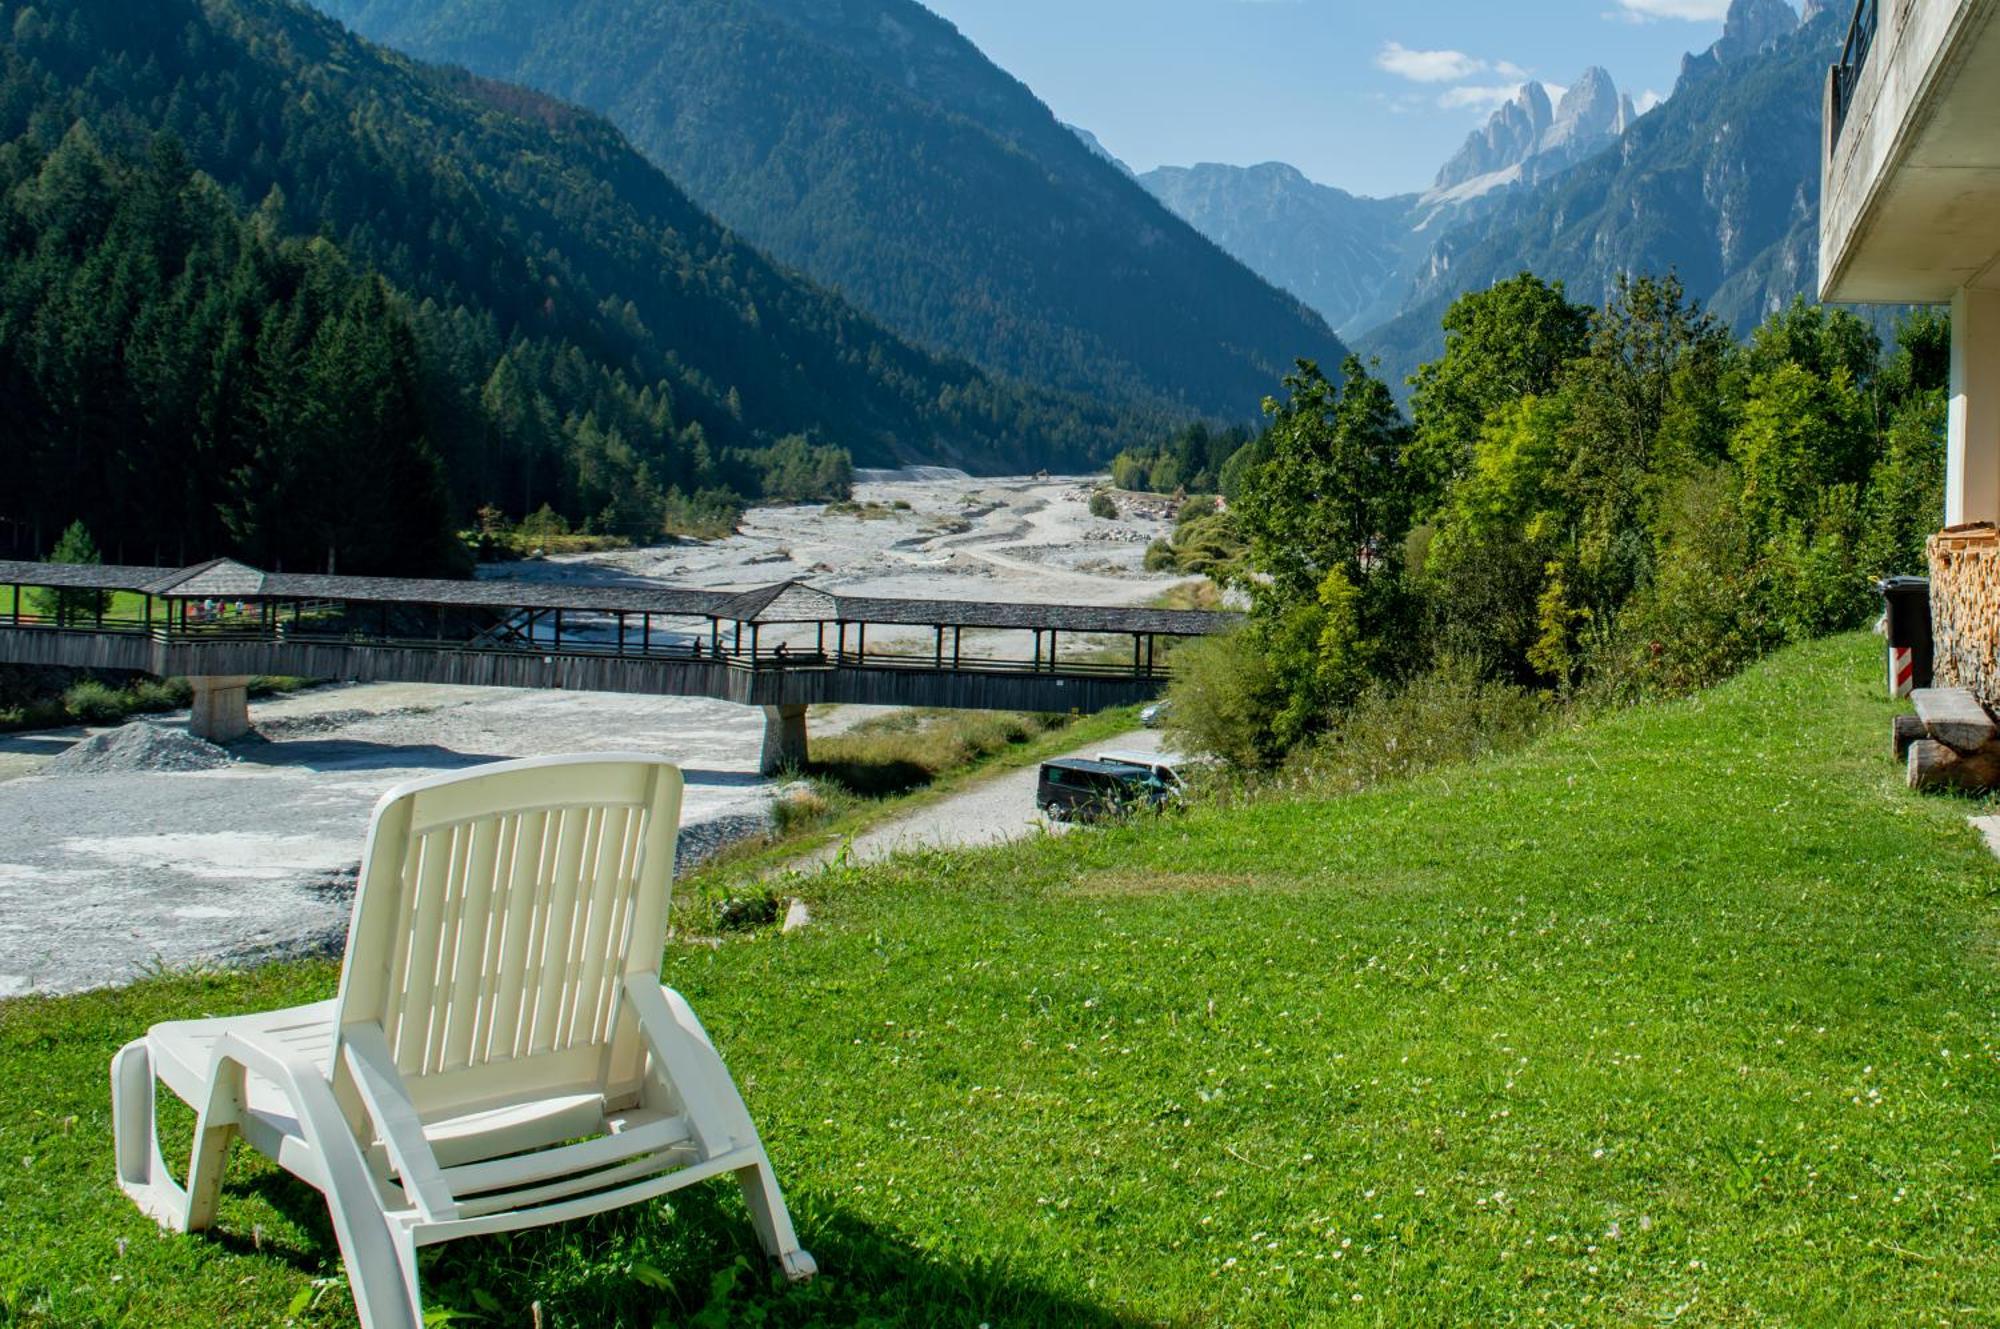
[1902, 671]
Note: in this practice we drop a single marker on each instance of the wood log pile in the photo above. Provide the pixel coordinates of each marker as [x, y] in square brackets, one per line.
[1965, 608]
[1952, 742]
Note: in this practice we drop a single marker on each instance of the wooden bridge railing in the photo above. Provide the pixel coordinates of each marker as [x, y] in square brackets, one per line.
[314, 628]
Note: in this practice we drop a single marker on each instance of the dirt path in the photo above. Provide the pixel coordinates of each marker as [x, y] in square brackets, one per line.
[991, 811]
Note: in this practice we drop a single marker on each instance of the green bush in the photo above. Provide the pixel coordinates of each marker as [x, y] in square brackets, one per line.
[1702, 617]
[155, 694]
[1209, 546]
[1225, 699]
[92, 702]
[1102, 506]
[1201, 505]
[1160, 557]
[1453, 713]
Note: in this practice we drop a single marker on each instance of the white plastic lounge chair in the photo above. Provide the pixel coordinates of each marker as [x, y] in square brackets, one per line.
[501, 1053]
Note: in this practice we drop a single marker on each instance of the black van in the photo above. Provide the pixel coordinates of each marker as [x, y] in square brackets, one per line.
[1079, 789]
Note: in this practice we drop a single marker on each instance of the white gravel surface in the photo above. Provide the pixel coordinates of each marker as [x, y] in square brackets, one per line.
[106, 873]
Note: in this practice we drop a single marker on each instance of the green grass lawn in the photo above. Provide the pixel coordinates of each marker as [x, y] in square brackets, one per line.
[1687, 1016]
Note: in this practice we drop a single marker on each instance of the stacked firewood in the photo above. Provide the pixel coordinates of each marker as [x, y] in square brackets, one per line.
[1965, 608]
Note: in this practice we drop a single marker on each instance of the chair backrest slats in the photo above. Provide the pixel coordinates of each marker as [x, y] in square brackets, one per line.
[500, 910]
[471, 968]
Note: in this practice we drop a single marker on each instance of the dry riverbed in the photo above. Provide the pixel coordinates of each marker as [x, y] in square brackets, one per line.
[107, 873]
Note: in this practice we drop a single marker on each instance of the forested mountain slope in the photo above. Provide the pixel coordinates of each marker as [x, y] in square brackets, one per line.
[546, 317]
[872, 146]
[1339, 252]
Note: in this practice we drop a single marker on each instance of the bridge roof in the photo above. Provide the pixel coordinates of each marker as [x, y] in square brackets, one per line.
[785, 602]
[77, 576]
[632, 597]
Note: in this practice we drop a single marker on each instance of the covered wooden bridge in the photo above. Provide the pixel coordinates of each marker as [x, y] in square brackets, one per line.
[782, 647]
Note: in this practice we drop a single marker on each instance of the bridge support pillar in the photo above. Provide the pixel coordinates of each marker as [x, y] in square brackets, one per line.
[784, 739]
[221, 707]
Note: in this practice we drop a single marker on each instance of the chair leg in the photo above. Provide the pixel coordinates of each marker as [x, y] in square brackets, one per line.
[142, 1171]
[773, 1220]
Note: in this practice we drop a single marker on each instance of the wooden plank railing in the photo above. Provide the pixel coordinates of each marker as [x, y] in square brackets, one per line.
[328, 630]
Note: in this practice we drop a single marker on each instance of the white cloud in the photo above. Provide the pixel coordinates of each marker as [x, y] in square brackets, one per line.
[1508, 69]
[1646, 101]
[1479, 97]
[1698, 11]
[1427, 66]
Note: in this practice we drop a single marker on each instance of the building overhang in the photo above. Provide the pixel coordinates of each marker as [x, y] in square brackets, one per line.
[1910, 184]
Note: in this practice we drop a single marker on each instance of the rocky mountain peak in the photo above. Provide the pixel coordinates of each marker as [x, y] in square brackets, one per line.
[1511, 136]
[1752, 27]
[1526, 140]
[1589, 109]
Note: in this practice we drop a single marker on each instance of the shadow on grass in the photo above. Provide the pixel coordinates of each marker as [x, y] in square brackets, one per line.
[695, 1255]
[874, 778]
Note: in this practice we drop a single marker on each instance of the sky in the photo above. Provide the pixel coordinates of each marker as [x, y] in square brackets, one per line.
[1368, 95]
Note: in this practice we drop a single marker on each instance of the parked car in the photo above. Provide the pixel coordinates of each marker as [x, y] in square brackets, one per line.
[1154, 714]
[1160, 764]
[1083, 789]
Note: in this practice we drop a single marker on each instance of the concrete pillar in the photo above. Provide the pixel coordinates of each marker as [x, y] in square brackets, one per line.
[1972, 453]
[784, 739]
[221, 707]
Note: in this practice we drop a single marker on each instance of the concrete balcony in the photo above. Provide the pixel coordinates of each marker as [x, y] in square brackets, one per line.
[1910, 184]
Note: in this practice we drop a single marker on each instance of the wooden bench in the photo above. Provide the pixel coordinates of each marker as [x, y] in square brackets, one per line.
[1952, 742]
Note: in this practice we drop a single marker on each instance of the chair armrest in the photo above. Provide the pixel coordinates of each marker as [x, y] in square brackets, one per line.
[364, 1050]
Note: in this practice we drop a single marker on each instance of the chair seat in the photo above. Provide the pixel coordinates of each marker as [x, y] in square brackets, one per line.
[183, 1049]
[502, 1054]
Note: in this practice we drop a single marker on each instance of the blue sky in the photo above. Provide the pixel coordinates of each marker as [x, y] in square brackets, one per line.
[1370, 95]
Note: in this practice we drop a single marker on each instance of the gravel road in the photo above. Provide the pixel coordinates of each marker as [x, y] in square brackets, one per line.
[990, 811]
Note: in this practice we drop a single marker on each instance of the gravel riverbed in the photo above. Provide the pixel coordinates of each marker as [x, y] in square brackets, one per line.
[141, 848]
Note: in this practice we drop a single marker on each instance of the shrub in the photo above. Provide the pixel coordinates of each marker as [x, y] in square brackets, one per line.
[92, 702]
[1160, 557]
[1202, 505]
[1225, 699]
[1209, 545]
[1102, 506]
[1453, 713]
[153, 694]
[1703, 615]
[711, 514]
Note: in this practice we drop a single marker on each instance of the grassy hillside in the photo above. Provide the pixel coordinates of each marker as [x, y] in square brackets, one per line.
[1686, 1016]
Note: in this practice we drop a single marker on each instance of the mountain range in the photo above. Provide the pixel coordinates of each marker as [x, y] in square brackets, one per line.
[872, 147]
[1718, 183]
[1356, 259]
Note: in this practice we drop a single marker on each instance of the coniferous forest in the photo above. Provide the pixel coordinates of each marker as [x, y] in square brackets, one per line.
[273, 292]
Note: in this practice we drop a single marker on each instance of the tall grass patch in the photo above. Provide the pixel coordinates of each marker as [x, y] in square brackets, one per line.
[905, 750]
